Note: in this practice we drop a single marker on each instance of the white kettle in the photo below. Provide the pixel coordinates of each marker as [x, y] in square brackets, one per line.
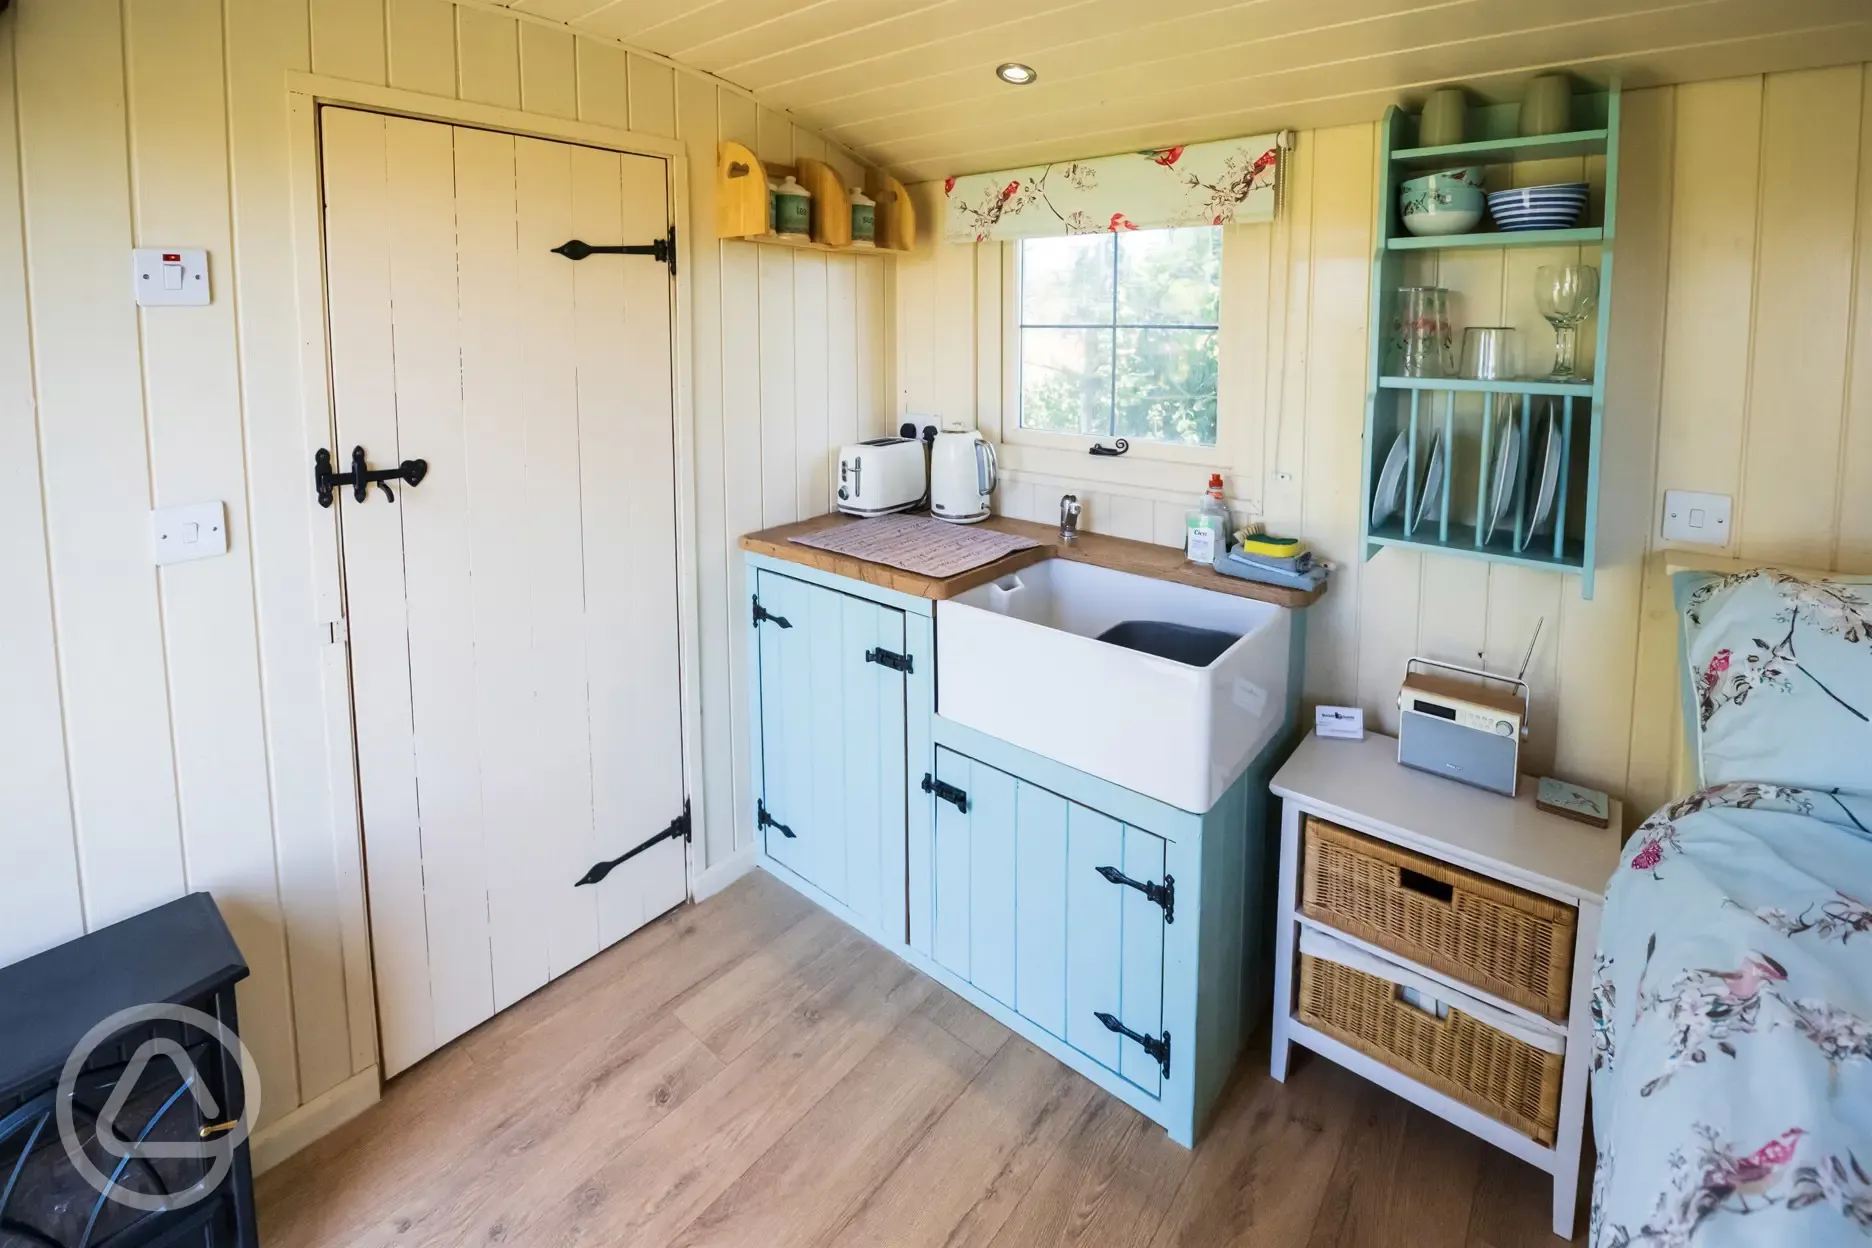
[962, 476]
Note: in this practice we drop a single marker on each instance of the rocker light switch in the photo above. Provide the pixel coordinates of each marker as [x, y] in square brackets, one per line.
[170, 276]
[197, 531]
[1697, 519]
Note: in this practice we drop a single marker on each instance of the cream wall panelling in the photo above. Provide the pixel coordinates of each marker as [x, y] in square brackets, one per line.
[217, 761]
[1723, 268]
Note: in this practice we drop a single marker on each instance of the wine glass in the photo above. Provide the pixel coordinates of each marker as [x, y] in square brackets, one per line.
[1566, 295]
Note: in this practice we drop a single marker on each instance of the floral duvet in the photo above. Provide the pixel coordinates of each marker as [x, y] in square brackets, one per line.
[1732, 1020]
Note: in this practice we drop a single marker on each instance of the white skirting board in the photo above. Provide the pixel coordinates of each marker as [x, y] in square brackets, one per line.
[711, 880]
[279, 1140]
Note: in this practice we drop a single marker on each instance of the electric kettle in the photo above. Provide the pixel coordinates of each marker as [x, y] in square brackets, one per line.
[962, 476]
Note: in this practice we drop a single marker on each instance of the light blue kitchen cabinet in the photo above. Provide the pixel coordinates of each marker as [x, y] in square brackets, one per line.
[1126, 937]
[838, 679]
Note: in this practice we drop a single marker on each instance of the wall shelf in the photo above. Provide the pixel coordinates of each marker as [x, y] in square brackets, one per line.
[1425, 410]
[1584, 236]
[741, 204]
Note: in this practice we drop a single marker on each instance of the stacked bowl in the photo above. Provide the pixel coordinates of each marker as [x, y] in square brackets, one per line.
[1448, 202]
[1555, 207]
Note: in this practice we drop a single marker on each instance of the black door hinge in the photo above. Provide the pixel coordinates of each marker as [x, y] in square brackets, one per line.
[663, 250]
[679, 828]
[768, 821]
[1159, 1049]
[762, 614]
[946, 791]
[889, 658]
[1163, 894]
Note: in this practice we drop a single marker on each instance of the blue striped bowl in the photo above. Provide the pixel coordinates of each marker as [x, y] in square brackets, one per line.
[1556, 207]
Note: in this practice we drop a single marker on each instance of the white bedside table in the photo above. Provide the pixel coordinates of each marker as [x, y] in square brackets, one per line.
[1359, 785]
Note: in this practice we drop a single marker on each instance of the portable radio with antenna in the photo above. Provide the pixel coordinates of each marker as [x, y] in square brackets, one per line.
[1464, 723]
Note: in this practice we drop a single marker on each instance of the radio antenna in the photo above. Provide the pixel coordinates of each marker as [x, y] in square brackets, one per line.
[1529, 656]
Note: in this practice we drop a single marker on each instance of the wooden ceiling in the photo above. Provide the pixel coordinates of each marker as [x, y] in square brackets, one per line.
[910, 85]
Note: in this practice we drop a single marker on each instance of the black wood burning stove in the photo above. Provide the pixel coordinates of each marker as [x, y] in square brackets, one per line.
[138, 1140]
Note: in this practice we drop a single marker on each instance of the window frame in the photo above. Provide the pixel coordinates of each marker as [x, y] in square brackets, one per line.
[1213, 458]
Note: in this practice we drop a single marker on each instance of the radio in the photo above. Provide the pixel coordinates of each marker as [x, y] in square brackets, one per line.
[1463, 723]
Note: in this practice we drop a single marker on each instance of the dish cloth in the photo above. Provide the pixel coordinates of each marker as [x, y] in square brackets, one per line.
[917, 544]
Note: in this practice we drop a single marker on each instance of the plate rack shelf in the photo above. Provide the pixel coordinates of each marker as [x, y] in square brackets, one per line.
[741, 204]
[1424, 413]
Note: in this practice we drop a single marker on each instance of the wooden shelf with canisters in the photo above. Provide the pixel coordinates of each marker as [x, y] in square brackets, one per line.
[742, 210]
[1438, 940]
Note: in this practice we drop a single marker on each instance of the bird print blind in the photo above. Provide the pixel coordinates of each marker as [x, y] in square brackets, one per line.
[1222, 183]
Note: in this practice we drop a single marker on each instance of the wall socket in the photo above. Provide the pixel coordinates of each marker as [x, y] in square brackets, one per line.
[1695, 519]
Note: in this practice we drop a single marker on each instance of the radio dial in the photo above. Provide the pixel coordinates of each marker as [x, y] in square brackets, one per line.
[1503, 728]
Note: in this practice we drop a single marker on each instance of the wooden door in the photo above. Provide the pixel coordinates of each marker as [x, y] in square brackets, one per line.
[513, 620]
[1021, 910]
[832, 741]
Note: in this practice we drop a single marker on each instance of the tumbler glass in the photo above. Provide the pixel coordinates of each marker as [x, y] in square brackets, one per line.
[1489, 353]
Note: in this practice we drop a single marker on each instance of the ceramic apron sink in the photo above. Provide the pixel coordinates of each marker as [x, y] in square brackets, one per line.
[1021, 659]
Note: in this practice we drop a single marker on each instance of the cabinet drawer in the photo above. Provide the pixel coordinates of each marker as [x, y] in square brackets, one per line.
[1024, 905]
[1504, 940]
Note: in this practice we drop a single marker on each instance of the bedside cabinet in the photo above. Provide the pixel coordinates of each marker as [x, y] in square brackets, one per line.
[1438, 940]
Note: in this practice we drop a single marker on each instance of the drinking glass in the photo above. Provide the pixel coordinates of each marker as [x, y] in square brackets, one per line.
[1566, 295]
[1488, 353]
[1420, 332]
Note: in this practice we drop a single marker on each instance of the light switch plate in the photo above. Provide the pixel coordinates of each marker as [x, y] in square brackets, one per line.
[1697, 519]
[170, 277]
[196, 531]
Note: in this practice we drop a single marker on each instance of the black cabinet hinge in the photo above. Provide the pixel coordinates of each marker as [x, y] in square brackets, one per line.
[1159, 1049]
[946, 791]
[763, 615]
[889, 658]
[679, 828]
[662, 250]
[1163, 894]
[768, 821]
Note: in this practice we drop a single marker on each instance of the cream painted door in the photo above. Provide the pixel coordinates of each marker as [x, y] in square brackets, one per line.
[513, 620]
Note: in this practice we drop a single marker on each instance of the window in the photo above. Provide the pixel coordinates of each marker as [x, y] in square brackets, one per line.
[1117, 334]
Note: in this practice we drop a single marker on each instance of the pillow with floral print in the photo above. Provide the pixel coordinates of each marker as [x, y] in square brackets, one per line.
[1781, 679]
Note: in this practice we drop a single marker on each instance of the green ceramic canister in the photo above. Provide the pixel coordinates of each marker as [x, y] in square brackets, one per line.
[792, 210]
[863, 219]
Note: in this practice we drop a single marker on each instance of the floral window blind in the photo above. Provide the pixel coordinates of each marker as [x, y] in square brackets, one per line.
[1234, 180]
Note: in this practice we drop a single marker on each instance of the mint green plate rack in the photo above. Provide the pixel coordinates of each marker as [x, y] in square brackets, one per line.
[1421, 408]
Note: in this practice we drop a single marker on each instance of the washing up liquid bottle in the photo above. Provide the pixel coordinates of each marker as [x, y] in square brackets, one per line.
[1205, 527]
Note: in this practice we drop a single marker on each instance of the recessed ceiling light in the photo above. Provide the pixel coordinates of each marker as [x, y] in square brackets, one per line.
[1015, 74]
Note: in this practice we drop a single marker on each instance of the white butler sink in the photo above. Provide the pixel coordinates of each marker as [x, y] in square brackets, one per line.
[1021, 659]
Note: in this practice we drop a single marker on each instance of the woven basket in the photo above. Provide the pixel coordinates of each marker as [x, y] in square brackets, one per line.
[1515, 944]
[1487, 1070]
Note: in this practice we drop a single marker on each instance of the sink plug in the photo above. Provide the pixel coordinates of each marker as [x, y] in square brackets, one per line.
[1069, 518]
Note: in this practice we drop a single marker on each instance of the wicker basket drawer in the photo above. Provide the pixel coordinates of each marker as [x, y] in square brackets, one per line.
[1514, 944]
[1461, 1057]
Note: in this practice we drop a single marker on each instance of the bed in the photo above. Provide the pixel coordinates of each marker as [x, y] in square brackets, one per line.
[1732, 989]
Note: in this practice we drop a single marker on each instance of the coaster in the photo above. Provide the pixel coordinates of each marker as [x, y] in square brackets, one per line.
[1574, 802]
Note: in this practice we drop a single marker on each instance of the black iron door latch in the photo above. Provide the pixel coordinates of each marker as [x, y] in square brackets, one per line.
[889, 658]
[361, 477]
[1163, 894]
[946, 791]
[1154, 1047]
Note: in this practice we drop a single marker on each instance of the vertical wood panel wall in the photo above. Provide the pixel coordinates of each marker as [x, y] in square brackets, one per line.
[1741, 363]
[163, 730]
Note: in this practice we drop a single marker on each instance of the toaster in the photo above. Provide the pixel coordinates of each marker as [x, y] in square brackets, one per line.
[880, 476]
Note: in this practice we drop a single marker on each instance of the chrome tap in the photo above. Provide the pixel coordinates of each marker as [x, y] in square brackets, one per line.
[1069, 518]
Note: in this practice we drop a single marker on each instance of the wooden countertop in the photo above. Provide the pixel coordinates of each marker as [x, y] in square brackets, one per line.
[1165, 563]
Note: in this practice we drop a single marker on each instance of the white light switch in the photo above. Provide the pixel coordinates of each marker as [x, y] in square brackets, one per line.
[197, 531]
[1696, 519]
[170, 277]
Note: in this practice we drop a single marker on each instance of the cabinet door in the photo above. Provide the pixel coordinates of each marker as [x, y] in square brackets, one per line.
[832, 737]
[1020, 910]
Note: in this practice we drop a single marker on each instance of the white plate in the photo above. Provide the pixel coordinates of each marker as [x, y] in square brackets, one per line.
[1433, 481]
[1385, 497]
[1507, 461]
[1550, 478]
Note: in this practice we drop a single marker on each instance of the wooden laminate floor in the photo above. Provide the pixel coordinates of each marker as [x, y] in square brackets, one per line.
[751, 1072]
